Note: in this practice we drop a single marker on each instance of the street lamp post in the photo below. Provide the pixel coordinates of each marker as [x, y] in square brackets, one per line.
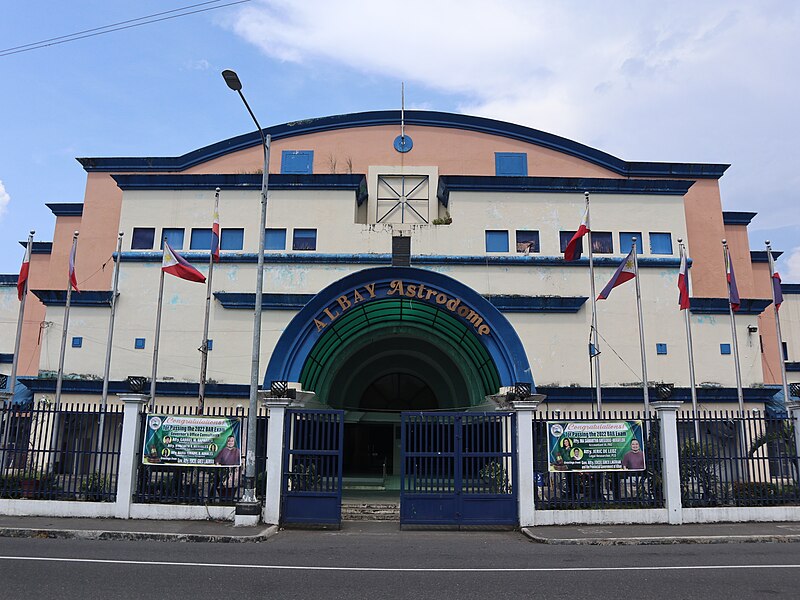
[248, 507]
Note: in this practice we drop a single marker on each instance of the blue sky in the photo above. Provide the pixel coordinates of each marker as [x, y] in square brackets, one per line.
[679, 81]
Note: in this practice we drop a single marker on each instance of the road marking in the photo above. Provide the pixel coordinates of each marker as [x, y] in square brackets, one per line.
[161, 563]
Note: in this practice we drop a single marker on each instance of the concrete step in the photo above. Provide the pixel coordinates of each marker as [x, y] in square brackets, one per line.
[371, 512]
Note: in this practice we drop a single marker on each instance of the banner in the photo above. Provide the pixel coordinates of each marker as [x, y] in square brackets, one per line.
[595, 446]
[186, 441]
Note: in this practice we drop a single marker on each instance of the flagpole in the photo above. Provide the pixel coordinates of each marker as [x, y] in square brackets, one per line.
[12, 380]
[595, 343]
[156, 340]
[645, 391]
[687, 321]
[739, 392]
[60, 377]
[777, 323]
[201, 400]
[107, 369]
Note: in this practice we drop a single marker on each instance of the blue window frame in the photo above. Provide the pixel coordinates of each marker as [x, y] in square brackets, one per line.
[143, 238]
[138, 343]
[200, 240]
[210, 345]
[511, 164]
[661, 348]
[304, 239]
[527, 241]
[660, 243]
[174, 238]
[496, 240]
[626, 241]
[275, 239]
[77, 342]
[724, 348]
[785, 350]
[602, 242]
[564, 237]
[232, 239]
[298, 162]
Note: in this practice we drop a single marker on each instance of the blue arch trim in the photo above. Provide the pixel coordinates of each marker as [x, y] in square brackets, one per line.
[412, 117]
[300, 336]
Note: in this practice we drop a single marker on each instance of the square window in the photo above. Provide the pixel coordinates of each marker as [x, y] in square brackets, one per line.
[626, 241]
[77, 342]
[275, 239]
[138, 343]
[564, 237]
[174, 238]
[297, 162]
[660, 243]
[527, 241]
[210, 345]
[304, 239]
[200, 240]
[602, 243]
[661, 348]
[232, 239]
[496, 241]
[511, 164]
[143, 238]
[724, 348]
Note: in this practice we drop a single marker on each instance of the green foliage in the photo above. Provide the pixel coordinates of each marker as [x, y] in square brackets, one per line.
[445, 220]
[97, 488]
[304, 477]
[699, 464]
[495, 475]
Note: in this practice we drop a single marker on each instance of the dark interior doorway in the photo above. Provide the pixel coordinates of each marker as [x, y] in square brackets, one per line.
[368, 449]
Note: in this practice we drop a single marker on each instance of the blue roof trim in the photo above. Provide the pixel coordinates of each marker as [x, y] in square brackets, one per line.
[760, 256]
[39, 247]
[163, 388]
[412, 117]
[790, 288]
[419, 260]
[9, 279]
[792, 366]
[732, 217]
[562, 185]
[59, 298]
[238, 300]
[239, 181]
[6, 358]
[71, 209]
[719, 306]
[706, 395]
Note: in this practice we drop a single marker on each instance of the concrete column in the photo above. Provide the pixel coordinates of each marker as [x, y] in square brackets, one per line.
[272, 501]
[793, 406]
[129, 453]
[525, 496]
[670, 464]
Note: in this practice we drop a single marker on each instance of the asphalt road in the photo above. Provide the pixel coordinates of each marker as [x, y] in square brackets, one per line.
[363, 562]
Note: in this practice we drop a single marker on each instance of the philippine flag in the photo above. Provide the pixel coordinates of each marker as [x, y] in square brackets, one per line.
[571, 252]
[176, 265]
[777, 292]
[625, 272]
[215, 236]
[733, 290]
[73, 279]
[22, 280]
[683, 285]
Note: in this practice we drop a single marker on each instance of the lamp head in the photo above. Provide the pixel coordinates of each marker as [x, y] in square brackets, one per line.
[232, 80]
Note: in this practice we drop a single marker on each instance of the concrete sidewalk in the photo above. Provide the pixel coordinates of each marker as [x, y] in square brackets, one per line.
[225, 532]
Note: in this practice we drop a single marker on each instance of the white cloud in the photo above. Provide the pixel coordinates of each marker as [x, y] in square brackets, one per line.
[677, 81]
[793, 265]
[5, 199]
[198, 65]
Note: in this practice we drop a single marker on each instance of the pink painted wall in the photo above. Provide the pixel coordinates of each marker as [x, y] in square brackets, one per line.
[771, 357]
[29, 350]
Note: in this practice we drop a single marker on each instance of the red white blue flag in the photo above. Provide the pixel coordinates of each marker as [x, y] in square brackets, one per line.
[215, 236]
[777, 292]
[73, 279]
[22, 280]
[625, 272]
[572, 252]
[176, 265]
[733, 291]
[683, 284]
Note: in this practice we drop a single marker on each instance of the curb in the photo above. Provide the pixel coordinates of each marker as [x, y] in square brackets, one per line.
[81, 534]
[660, 541]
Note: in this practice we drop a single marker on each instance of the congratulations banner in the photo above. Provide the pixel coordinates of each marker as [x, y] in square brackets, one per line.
[595, 446]
[185, 441]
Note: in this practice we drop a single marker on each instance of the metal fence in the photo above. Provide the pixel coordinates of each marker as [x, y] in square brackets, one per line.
[71, 453]
[566, 490]
[165, 484]
[728, 459]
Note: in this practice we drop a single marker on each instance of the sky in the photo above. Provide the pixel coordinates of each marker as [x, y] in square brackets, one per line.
[686, 81]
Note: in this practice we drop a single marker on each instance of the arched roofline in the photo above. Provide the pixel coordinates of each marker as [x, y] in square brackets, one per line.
[301, 334]
[412, 117]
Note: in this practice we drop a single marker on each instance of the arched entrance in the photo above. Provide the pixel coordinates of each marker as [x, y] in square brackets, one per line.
[387, 340]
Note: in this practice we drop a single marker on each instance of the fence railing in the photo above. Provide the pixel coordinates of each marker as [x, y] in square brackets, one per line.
[737, 460]
[165, 484]
[573, 489]
[71, 453]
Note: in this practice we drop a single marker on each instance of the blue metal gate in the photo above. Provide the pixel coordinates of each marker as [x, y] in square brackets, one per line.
[458, 469]
[311, 488]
